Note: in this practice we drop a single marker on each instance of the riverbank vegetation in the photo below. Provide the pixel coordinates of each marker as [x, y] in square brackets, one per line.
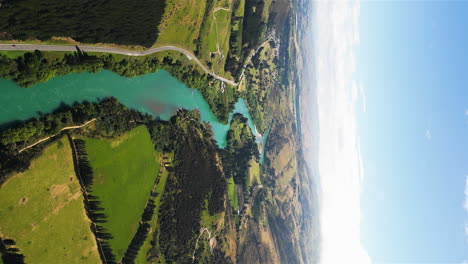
[123, 22]
[241, 148]
[261, 77]
[36, 67]
[117, 162]
[197, 178]
[112, 119]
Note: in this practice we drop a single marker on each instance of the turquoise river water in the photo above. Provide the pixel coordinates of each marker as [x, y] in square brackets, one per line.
[159, 94]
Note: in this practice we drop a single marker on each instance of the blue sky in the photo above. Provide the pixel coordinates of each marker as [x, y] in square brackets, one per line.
[390, 82]
[412, 62]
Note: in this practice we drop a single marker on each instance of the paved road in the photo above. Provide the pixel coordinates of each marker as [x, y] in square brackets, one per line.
[115, 51]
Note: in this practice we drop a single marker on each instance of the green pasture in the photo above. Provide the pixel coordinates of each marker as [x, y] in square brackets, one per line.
[125, 170]
[233, 194]
[181, 23]
[42, 210]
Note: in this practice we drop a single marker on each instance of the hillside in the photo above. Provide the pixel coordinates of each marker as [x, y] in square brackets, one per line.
[145, 190]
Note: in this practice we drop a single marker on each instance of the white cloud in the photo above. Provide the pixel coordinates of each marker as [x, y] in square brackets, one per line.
[336, 35]
[466, 112]
[428, 134]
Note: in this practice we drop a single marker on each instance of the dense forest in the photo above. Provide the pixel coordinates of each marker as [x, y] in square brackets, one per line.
[197, 181]
[35, 67]
[234, 57]
[124, 22]
[253, 25]
[241, 148]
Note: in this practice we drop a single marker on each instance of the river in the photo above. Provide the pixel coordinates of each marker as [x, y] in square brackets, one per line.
[159, 94]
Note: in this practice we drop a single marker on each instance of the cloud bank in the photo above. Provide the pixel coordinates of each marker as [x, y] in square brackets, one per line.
[335, 33]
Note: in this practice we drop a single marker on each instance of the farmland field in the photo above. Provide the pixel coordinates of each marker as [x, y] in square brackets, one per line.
[42, 210]
[214, 35]
[254, 173]
[232, 194]
[181, 22]
[125, 170]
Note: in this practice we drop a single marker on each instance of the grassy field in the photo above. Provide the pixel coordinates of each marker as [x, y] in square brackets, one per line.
[163, 174]
[232, 194]
[254, 174]
[181, 22]
[214, 36]
[125, 170]
[12, 53]
[42, 210]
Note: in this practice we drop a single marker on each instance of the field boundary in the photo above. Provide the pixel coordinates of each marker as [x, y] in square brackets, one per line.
[85, 196]
[49, 137]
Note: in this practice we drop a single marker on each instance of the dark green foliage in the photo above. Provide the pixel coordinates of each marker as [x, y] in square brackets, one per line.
[162, 134]
[219, 257]
[141, 234]
[234, 61]
[112, 118]
[197, 178]
[33, 68]
[10, 253]
[92, 204]
[85, 171]
[196, 181]
[11, 161]
[220, 103]
[239, 151]
[252, 27]
[253, 24]
[124, 22]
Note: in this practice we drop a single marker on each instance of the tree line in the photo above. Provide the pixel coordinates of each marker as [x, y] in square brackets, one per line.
[34, 67]
[112, 119]
[92, 203]
[123, 22]
[10, 253]
[142, 233]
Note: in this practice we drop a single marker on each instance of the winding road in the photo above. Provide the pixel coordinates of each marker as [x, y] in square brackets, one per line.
[114, 51]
